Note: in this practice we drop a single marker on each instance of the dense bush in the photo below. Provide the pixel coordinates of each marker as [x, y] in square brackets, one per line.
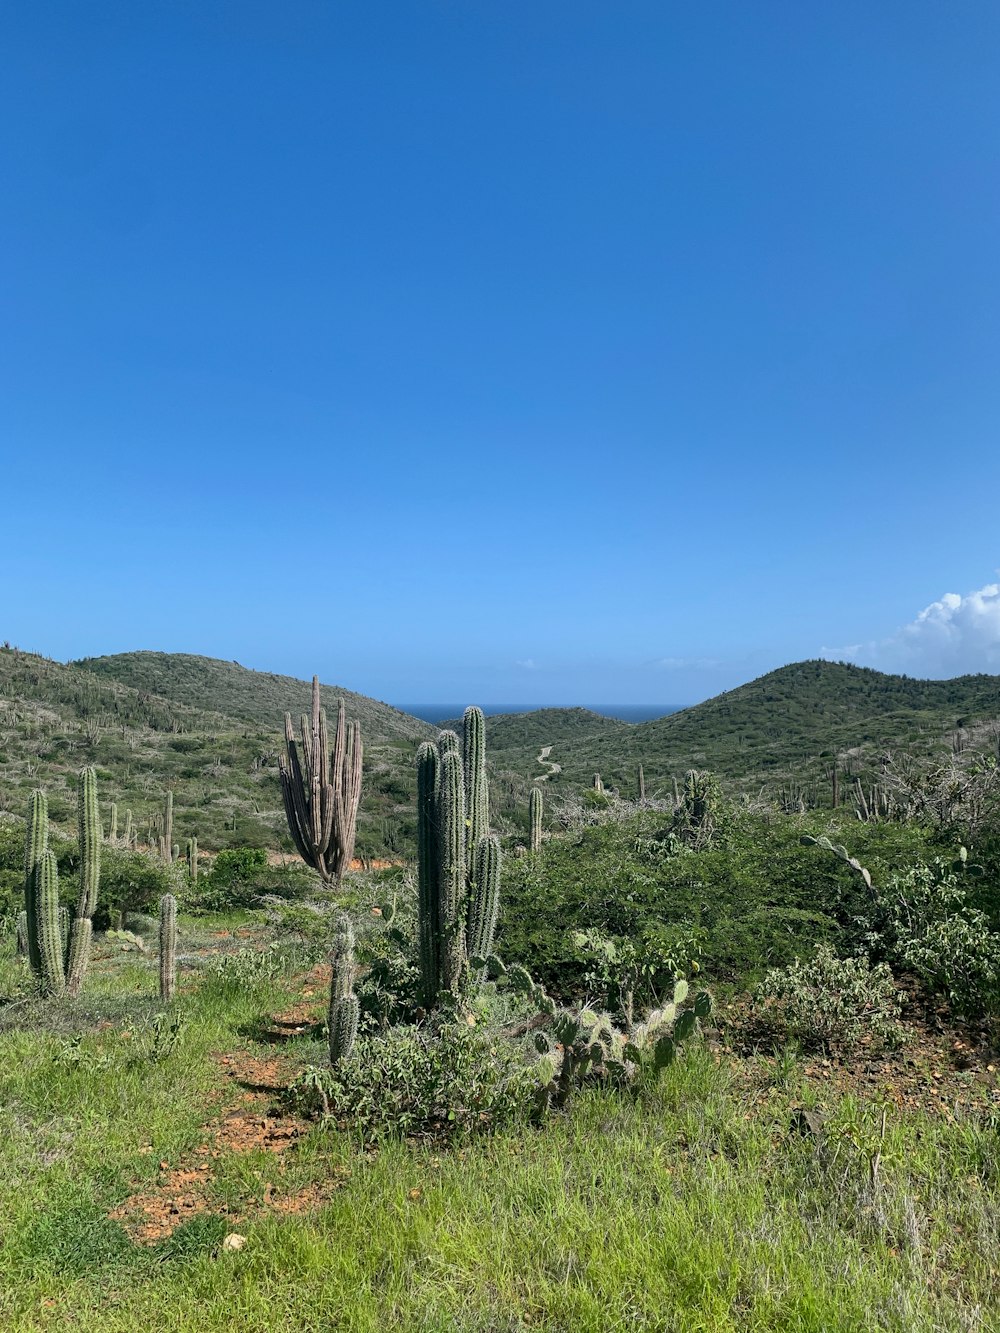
[410, 1082]
[922, 920]
[829, 1003]
[240, 877]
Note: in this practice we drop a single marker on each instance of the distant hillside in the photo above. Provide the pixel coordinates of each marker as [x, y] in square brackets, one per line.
[164, 731]
[783, 728]
[252, 696]
[543, 726]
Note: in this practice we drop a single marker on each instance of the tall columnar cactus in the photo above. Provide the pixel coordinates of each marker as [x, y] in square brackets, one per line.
[459, 861]
[91, 837]
[129, 834]
[113, 823]
[344, 1008]
[322, 791]
[52, 972]
[428, 922]
[168, 827]
[192, 856]
[535, 815]
[35, 846]
[642, 785]
[168, 946]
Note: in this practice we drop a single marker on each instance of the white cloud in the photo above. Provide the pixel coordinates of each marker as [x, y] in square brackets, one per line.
[529, 664]
[954, 636]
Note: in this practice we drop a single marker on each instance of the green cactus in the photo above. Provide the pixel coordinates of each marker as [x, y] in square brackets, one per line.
[840, 852]
[458, 860]
[168, 947]
[167, 845]
[53, 975]
[35, 846]
[113, 823]
[322, 790]
[344, 1008]
[91, 837]
[428, 922]
[535, 803]
[192, 859]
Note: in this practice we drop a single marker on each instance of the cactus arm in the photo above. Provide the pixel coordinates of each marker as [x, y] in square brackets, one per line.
[49, 934]
[477, 792]
[484, 900]
[91, 837]
[168, 947]
[35, 846]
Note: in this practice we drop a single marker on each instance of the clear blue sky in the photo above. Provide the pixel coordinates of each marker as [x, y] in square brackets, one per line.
[536, 352]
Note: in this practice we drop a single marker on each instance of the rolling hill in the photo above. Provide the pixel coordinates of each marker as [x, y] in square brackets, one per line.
[783, 728]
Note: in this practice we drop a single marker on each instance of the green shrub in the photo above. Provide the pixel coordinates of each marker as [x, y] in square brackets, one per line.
[924, 921]
[829, 1003]
[410, 1082]
[237, 879]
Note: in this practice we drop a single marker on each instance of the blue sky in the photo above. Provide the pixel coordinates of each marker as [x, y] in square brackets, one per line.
[533, 352]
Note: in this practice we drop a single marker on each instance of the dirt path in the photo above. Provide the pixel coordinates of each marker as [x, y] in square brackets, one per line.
[543, 758]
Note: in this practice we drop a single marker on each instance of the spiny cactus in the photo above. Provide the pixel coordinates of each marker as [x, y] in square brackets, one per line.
[459, 861]
[840, 852]
[167, 844]
[22, 933]
[129, 834]
[113, 823]
[53, 975]
[91, 837]
[344, 1008]
[535, 802]
[168, 946]
[36, 844]
[582, 1044]
[641, 778]
[322, 791]
[192, 858]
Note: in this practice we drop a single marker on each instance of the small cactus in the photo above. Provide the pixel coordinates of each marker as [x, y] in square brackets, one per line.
[168, 947]
[344, 1008]
[535, 803]
[91, 838]
[192, 859]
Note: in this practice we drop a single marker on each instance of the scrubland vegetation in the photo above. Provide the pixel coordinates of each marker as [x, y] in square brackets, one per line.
[711, 1060]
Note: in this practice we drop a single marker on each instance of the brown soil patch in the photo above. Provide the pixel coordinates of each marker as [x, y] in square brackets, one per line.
[253, 1125]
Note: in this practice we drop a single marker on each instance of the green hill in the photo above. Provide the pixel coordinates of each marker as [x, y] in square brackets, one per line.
[783, 728]
[147, 724]
[251, 696]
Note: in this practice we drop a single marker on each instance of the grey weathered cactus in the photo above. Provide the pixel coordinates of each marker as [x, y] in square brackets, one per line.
[168, 947]
[91, 837]
[344, 1007]
[322, 791]
[459, 861]
[113, 823]
[535, 817]
[192, 859]
[641, 777]
[22, 933]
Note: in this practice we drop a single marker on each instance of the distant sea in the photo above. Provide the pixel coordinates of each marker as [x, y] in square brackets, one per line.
[436, 713]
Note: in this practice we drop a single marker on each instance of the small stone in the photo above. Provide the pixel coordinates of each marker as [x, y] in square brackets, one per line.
[234, 1241]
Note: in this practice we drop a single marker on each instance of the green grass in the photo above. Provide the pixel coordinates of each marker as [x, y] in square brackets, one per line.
[692, 1205]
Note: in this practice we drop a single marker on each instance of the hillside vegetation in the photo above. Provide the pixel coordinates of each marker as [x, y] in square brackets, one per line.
[782, 730]
[221, 768]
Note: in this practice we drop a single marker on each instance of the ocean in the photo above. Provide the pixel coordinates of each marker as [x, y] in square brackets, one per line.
[437, 713]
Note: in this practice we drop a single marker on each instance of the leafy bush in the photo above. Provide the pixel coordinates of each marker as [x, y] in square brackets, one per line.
[410, 1082]
[829, 1003]
[924, 921]
[240, 876]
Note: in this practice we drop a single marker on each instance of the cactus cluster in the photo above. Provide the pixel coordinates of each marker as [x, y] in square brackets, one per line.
[697, 806]
[59, 954]
[344, 1008]
[577, 1045]
[168, 946]
[321, 791]
[458, 860]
